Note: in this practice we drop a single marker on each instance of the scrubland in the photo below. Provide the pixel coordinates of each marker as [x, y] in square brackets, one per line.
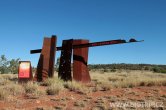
[105, 88]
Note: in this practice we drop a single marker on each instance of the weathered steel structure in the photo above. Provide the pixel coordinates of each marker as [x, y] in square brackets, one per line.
[79, 48]
[45, 67]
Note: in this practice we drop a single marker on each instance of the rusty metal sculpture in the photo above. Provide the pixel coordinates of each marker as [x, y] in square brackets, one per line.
[80, 61]
[80, 57]
[45, 66]
[65, 60]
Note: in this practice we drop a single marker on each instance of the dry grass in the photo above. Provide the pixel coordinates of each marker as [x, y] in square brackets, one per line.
[8, 76]
[54, 89]
[4, 82]
[8, 86]
[14, 89]
[33, 90]
[103, 82]
[82, 95]
[3, 94]
[126, 79]
[31, 87]
[76, 87]
[54, 85]
[50, 81]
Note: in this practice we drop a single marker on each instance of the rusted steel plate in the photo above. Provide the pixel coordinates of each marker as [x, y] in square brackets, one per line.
[80, 57]
[65, 60]
[46, 62]
[93, 44]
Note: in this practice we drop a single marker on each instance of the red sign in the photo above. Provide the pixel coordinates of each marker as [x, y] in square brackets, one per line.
[24, 70]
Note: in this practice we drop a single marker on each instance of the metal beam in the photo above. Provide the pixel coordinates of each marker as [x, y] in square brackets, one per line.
[94, 44]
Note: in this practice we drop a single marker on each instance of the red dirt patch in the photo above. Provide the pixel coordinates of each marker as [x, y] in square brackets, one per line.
[71, 100]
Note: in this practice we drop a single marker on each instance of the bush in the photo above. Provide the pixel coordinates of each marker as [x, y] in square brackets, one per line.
[8, 66]
[31, 87]
[3, 64]
[54, 89]
[105, 70]
[13, 66]
[156, 69]
[51, 81]
[113, 70]
[163, 71]
[146, 68]
[159, 70]
[48, 82]
[3, 94]
[73, 86]
[105, 87]
[4, 81]
[14, 89]
[76, 87]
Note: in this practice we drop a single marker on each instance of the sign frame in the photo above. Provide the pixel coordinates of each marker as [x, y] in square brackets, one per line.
[25, 77]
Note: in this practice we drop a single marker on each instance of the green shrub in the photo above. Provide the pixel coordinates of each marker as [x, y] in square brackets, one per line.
[156, 69]
[8, 66]
[163, 71]
[146, 68]
[113, 70]
[105, 70]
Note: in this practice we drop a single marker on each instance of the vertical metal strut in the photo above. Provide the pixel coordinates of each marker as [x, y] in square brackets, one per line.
[65, 60]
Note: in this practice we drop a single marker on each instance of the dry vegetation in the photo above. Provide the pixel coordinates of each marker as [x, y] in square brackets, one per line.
[128, 78]
[57, 94]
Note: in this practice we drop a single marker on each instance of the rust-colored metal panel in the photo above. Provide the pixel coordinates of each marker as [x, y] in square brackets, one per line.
[46, 62]
[80, 57]
[25, 71]
[65, 60]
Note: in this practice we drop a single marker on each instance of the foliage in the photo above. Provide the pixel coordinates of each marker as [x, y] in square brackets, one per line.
[14, 89]
[31, 87]
[158, 69]
[124, 79]
[3, 94]
[13, 65]
[76, 87]
[8, 66]
[123, 66]
[54, 89]
[57, 64]
[3, 64]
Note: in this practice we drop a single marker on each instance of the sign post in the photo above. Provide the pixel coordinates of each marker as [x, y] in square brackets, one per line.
[25, 71]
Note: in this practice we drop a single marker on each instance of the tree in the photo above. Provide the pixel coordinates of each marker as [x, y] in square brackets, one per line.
[57, 64]
[3, 64]
[13, 65]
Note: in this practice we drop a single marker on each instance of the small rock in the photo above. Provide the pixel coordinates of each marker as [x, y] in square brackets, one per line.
[37, 101]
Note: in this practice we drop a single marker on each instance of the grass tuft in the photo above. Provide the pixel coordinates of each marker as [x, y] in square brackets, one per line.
[76, 87]
[14, 89]
[54, 89]
[3, 94]
[31, 87]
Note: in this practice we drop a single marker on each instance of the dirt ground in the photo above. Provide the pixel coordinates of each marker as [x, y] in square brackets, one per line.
[127, 90]
[100, 100]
